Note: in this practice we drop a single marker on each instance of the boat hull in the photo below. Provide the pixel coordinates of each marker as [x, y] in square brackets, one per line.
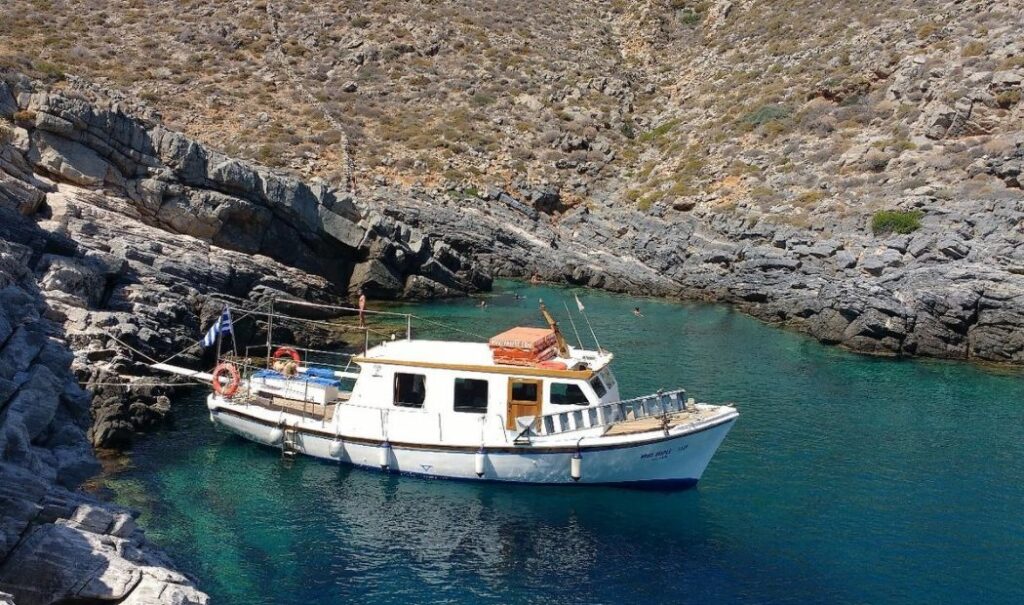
[652, 460]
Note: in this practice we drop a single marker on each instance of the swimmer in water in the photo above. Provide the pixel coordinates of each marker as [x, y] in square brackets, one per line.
[636, 311]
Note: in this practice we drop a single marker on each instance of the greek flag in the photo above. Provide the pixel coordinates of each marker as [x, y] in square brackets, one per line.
[221, 326]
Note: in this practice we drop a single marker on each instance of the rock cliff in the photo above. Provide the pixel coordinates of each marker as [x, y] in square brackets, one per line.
[954, 288]
[119, 239]
[135, 230]
[57, 545]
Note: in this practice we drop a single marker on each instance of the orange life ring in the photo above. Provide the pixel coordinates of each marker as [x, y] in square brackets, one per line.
[552, 365]
[232, 386]
[282, 351]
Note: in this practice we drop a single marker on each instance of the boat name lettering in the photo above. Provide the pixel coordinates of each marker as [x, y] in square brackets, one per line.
[658, 455]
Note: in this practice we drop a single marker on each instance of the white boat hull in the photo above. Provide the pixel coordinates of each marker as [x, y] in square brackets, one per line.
[653, 460]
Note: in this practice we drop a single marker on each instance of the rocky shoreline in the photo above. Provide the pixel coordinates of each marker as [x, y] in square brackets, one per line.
[56, 544]
[952, 289]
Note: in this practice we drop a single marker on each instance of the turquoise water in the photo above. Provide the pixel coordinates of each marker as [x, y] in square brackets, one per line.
[846, 480]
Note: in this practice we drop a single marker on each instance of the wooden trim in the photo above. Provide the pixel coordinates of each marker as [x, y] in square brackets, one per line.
[506, 370]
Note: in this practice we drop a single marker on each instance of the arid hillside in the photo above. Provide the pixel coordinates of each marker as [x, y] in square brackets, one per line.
[799, 110]
[849, 168]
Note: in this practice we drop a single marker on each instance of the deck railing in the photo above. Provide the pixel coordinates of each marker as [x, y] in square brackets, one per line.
[648, 406]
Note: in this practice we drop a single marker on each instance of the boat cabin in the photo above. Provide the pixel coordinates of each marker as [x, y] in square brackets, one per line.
[479, 378]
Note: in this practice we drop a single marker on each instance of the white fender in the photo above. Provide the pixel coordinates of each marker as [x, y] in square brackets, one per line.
[576, 466]
[337, 448]
[481, 459]
[385, 455]
[275, 436]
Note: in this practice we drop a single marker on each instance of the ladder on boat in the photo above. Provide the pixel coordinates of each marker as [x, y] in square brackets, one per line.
[289, 444]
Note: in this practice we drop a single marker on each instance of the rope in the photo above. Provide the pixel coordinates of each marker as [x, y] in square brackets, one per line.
[200, 343]
[453, 328]
[141, 384]
[128, 346]
[244, 313]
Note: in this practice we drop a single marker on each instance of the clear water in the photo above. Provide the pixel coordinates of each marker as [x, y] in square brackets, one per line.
[846, 480]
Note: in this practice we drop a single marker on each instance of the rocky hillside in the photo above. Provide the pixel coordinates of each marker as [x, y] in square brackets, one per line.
[850, 169]
[137, 232]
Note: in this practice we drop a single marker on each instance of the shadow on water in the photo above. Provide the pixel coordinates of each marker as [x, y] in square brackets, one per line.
[846, 480]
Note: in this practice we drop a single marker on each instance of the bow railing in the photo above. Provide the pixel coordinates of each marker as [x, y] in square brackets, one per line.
[648, 406]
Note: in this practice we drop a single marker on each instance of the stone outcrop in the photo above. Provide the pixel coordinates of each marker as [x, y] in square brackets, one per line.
[952, 289]
[119, 240]
[165, 180]
[57, 545]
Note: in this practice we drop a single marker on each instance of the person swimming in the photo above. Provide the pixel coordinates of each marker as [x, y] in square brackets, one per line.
[636, 311]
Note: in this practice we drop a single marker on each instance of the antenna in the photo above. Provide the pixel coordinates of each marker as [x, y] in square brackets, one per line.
[583, 312]
[573, 323]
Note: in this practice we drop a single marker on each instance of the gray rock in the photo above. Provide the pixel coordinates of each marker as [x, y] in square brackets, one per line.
[953, 248]
[69, 160]
[877, 262]
[376, 279]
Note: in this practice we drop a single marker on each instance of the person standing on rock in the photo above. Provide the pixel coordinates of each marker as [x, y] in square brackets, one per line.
[362, 309]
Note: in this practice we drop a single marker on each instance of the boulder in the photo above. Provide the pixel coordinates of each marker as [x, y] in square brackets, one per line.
[70, 160]
[376, 280]
[878, 261]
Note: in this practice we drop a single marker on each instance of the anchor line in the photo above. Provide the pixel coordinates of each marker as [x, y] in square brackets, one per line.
[140, 384]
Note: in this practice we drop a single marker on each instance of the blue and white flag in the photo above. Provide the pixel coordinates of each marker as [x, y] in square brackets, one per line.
[221, 326]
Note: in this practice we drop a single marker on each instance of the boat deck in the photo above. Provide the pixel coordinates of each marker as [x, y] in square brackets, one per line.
[305, 409]
[654, 423]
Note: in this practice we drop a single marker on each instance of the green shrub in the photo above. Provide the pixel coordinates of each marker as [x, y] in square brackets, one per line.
[896, 221]
[49, 70]
[659, 131]
[481, 99]
[766, 114]
[690, 17]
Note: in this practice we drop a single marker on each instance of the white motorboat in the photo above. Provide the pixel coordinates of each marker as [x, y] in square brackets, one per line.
[524, 407]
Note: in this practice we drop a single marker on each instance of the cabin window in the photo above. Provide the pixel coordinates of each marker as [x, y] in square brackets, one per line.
[410, 389]
[524, 391]
[608, 378]
[598, 387]
[470, 395]
[563, 393]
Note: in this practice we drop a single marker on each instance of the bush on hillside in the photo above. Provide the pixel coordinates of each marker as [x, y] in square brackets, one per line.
[766, 114]
[896, 221]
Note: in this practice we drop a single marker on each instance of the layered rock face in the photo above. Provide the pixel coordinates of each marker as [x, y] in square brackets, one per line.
[165, 180]
[954, 288]
[136, 230]
[57, 545]
[119, 241]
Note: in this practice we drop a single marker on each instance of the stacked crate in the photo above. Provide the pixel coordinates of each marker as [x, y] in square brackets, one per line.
[523, 346]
